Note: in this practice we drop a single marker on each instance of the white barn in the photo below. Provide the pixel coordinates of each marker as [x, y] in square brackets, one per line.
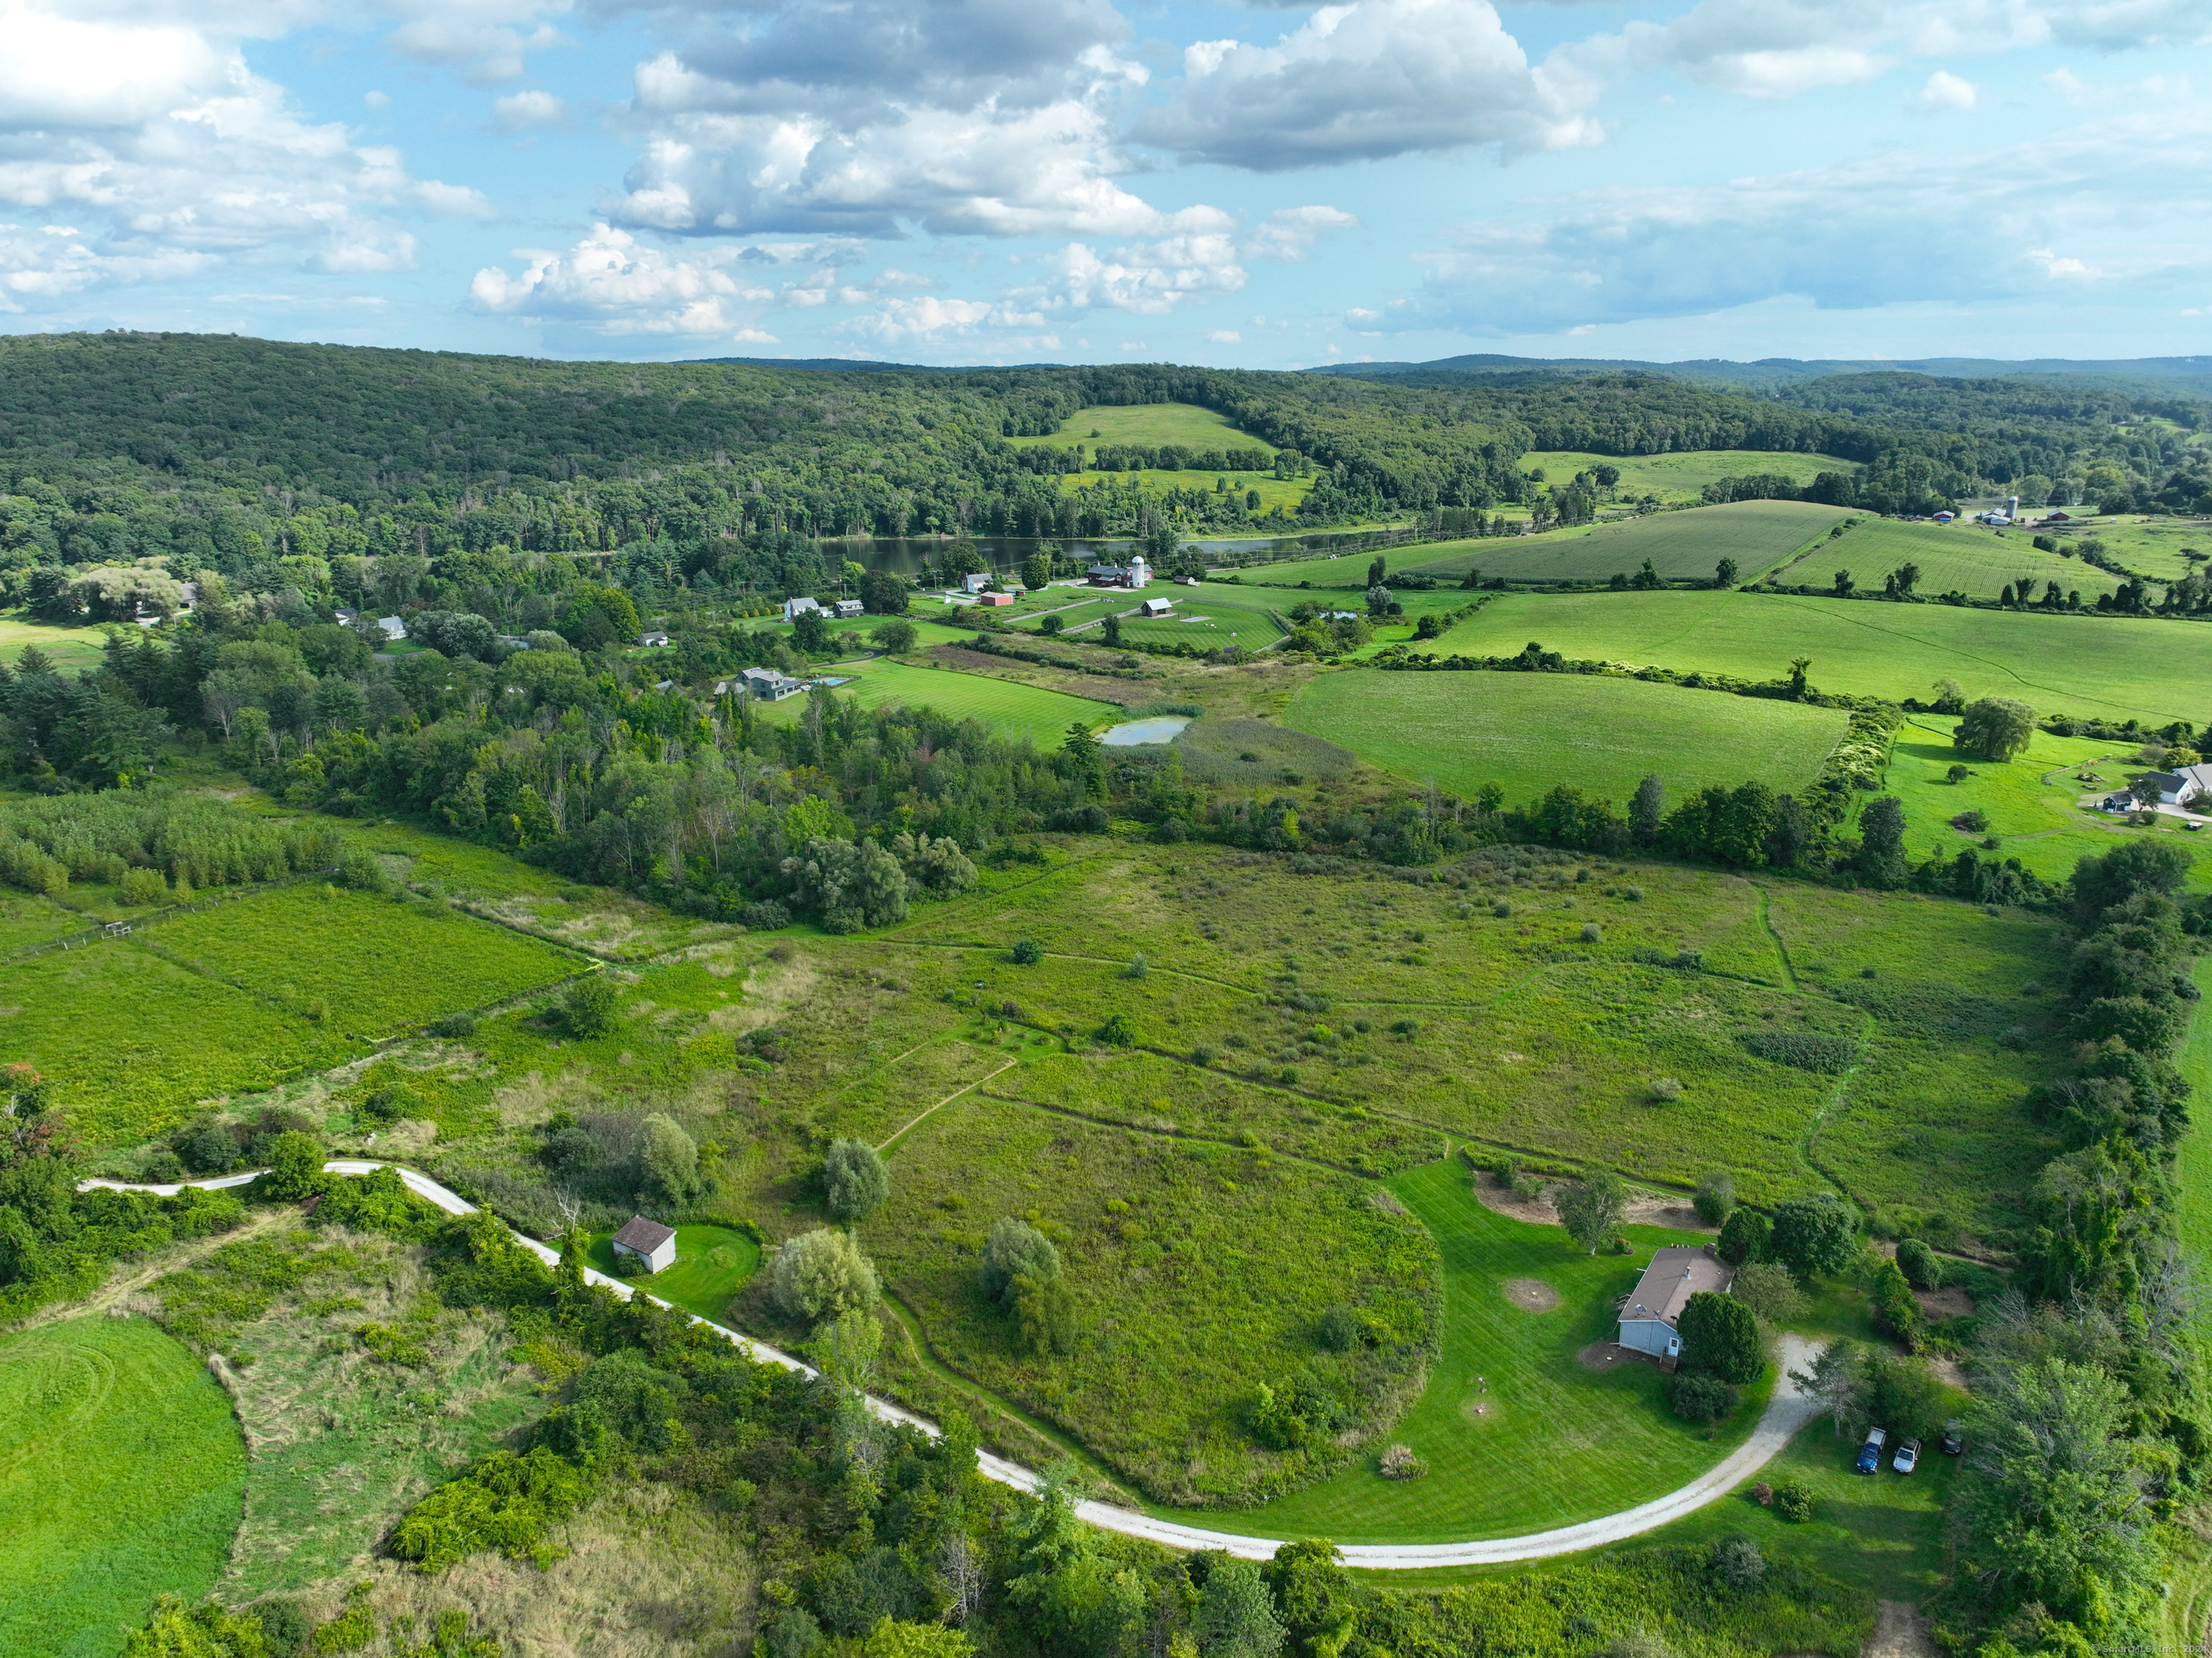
[646, 1243]
[1648, 1316]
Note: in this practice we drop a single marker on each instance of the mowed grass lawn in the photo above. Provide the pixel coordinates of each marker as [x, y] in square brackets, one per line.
[713, 1263]
[2036, 821]
[1756, 534]
[1680, 476]
[1005, 708]
[1205, 625]
[368, 965]
[2101, 665]
[1526, 732]
[67, 648]
[1969, 558]
[1519, 1434]
[121, 1476]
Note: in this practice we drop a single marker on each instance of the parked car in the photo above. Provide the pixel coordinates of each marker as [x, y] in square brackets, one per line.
[1870, 1453]
[1954, 1440]
[1907, 1457]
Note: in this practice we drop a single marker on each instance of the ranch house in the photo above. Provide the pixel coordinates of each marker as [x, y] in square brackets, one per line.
[2178, 788]
[793, 608]
[1649, 1315]
[768, 684]
[653, 641]
[646, 1243]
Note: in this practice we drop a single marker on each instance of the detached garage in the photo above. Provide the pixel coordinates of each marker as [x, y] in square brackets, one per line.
[646, 1244]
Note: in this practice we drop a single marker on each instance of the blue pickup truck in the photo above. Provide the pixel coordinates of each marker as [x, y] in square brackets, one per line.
[1870, 1453]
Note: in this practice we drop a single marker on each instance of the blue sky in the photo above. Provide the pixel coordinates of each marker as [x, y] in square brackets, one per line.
[1016, 181]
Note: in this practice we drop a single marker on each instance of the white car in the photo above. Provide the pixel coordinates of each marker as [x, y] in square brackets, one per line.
[1907, 1457]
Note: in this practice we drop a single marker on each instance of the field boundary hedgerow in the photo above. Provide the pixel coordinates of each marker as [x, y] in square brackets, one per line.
[129, 926]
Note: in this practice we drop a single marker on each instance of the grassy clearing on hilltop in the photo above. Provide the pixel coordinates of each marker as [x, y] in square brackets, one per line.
[1519, 1433]
[2107, 666]
[1155, 423]
[1756, 534]
[120, 1475]
[1529, 732]
[1006, 708]
[1965, 558]
[1682, 475]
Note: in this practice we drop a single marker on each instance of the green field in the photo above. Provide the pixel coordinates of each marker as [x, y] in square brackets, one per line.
[713, 1263]
[350, 959]
[1186, 423]
[1963, 557]
[2104, 666]
[1689, 544]
[1205, 624]
[1680, 476]
[27, 919]
[1519, 1434]
[1529, 731]
[2150, 546]
[68, 649]
[121, 1471]
[1006, 707]
[2193, 1169]
[131, 1041]
[1257, 753]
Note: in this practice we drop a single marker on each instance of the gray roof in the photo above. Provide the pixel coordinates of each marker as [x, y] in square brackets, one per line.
[1676, 1274]
[643, 1235]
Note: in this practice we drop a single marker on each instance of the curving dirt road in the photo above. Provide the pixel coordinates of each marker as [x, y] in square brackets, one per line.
[1786, 1412]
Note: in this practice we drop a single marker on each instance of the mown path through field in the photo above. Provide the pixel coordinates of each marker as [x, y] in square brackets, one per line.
[1786, 1412]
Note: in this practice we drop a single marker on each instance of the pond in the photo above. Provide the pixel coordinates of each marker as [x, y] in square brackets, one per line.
[1162, 728]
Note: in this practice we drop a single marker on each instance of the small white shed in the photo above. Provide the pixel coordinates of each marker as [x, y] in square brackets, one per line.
[646, 1243]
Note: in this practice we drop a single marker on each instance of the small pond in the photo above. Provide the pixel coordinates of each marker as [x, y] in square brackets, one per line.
[1162, 728]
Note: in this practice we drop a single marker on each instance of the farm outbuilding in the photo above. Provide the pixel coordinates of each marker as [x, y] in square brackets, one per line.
[649, 1244]
[1156, 606]
[1648, 1317]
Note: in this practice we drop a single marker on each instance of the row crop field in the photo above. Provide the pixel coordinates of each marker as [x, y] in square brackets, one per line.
[1006, 708]
[2103, 665]
[1969, 558]
[1527, 732]
[121, 1471]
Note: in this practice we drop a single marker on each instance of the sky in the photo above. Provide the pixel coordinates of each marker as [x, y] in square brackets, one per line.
[992, 181]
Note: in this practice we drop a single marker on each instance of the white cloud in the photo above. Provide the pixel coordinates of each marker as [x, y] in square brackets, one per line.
[1364, 81]
[1896, 228]
[521, 109]
[376, 100]
[1290, 232]
[2129, 25]
[611, 283]
[489, 41]
[1225, 337]
[1944, 91]
[169, 156]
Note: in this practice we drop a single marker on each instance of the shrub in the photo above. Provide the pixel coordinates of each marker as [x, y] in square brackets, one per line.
[1714, 1198]
[1922, 1266]
[1633, 894]
[505, 1502]
[1769, 1291]
[455, 1027]
[1117, 1032]
[1399, 1462]
[207, 1631]
[1745, 1236]
[144, 887]
[1044, 1312]
[1973, 822]
[823, 1275]
[1341, 1328]
[1738, 1565]
[1592, 933]
[1015, 1249]
[1895, 1312]
[360, 870]
[1666, 1090]
[1501, 908]
[1027, 952]
[588, 1010]
[295, 1170]
[1138, 967]
[854, 1180]
[1720, 1336]
[669, 1158]
[1699, 1398]
[764, 916]
[1793, 1501]
[1806, 1050]
[1204, 1054]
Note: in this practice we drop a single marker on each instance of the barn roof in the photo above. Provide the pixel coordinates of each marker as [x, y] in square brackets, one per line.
[643, 1235]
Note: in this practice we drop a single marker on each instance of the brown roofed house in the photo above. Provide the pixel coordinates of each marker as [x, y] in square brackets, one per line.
[648, 1243]
[1648, 1317]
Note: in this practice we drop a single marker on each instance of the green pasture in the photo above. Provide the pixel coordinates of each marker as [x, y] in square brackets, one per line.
[1682, 475]
[1524, 1035]
[132, 1040]
[2150, 546]
[1963, 558]
[1258, 753]
[68, 648]
[2106, 666]
[121, 1471]
[1529, 732]
[1520, 1434]
[1006, 707]
[1189, 1281]
[2030, 802]
[27, 918]
[713, 1263]
[355, 962]
[1186, 423]
[1687, 543]
[1205, 625]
